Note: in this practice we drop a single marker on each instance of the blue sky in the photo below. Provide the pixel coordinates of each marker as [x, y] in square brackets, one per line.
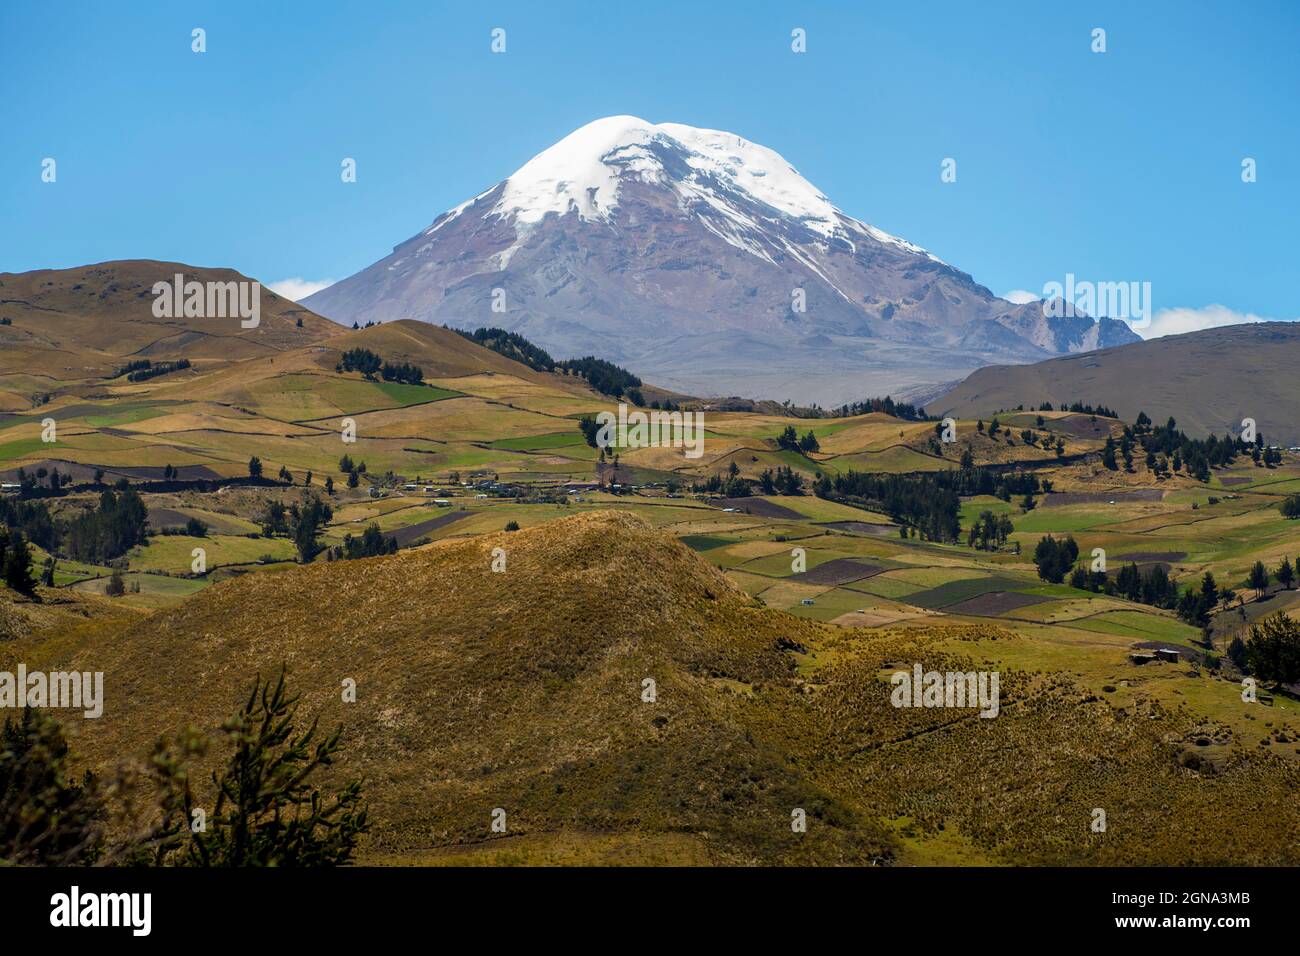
[1117, 166]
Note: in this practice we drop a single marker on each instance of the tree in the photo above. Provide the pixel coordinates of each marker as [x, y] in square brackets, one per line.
[1237, 653]
[286, 475]
[275, 520]
[17, 560]
[1055, 558]
[1209, 591]
[371, 543]
[1258, 579]
[353, 480]
[512, 525]
[196, 528]
[329, 485]
[305, 523]
[267, 812]
[345, 464]
[45, 818]
[1108, 455]
[115, 587]
[254, 467]
[1273, 650]
[1285, 573]
[1291, 506]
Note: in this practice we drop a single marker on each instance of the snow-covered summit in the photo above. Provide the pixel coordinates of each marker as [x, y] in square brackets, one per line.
[736, 184]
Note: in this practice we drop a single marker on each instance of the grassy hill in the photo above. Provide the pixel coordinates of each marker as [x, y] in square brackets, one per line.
[522, 690]
[1209, 381]
[69, 324]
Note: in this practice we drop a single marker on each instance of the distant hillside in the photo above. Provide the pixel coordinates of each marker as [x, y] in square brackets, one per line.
[70, 324]
[439, 352]
[1209, 381]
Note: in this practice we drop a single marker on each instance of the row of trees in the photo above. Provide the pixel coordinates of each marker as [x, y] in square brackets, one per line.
[605, 377]
[789, 440]
[302, 521]
[930, 503]
[371, 543]
[118, 524]
[360, 360]
[512, 345]
[154, 369]
[989, 531]
[886, 405]
[405, 373]
[784, 481]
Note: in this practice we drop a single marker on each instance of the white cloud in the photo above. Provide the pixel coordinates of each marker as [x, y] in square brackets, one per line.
[1020, 296]
[297, 289]
[1176, 321]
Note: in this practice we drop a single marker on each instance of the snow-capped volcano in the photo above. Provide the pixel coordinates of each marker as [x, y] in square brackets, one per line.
[702, 261]
[722, 178]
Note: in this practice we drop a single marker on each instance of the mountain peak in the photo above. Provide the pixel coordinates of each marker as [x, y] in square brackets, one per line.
[720, 175]
[707, 263]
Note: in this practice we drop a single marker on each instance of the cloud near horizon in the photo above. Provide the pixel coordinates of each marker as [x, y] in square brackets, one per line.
[1173, 321]
[296, 289]
[1179, 320]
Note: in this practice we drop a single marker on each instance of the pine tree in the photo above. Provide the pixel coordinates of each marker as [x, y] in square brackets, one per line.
[45, 818]
[18, 565]
[267, 813]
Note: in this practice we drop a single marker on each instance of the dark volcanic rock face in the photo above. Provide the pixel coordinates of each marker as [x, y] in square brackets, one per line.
[704, 262]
